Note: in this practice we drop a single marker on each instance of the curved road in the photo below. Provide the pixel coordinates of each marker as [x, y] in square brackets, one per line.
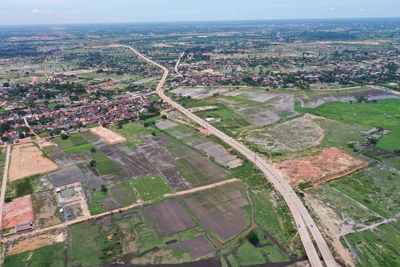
[304, 222]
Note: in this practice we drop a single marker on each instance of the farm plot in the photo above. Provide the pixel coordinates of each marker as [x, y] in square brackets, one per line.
[17, 212]
[27, 160]
[197, 247]
[200, 93]
[220, 154]
[291, 136]
[164, 161]
[132, 132]
[222, 211]
[68, 175]
[383, 114]
[316, 98]
[169, 217]
[134, 162]
[376, 247]
[376, 187]
[330, 164]
[45, 208]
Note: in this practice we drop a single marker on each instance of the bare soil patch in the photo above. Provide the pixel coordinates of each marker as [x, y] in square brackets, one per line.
[291, 136]
[34, 242]
[45, 206]
[196, 247]
[220, 154]
[169, 217]
[17, 212]
[108, 136]
[27, 160]
[330, 164]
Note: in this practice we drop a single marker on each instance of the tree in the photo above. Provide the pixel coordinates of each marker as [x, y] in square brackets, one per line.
[93, 150]
[252, 237]
[164, 117]
[103, 188]
[93, 163]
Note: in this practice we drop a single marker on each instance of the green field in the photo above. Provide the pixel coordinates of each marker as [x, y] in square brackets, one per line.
[132, 131]
[77, 144]
[374, 187]
[52, 256]
[151, 187]
[26, 186]
[231, 123]
[384, 114]
[97, 196]
[380, 247]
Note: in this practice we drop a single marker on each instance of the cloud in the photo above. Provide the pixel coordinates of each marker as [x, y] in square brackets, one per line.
[41, 11]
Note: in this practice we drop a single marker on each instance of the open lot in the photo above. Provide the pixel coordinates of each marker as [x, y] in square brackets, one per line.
[291, 136]
[169, 217]
[27, 160]
[45, 208]
[330, 164]
[17, 212]
[108, 136]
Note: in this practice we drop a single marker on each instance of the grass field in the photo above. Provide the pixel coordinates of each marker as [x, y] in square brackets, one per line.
[380, 247]
[275, 219]
[77, 144]
[132, 132]
[384, 114]
[122, 194]
[375, 187]
[52, 256]
[26, 186]
[151, 187]
[230, 123]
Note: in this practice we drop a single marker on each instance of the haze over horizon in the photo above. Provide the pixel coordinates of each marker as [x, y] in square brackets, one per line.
[16, 12]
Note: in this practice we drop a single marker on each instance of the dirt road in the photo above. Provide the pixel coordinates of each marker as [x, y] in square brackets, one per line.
[138, 204]
[304, 222]
[4, 183]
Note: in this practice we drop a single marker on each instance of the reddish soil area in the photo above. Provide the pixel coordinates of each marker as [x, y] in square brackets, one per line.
[18, 211]
[330, 164]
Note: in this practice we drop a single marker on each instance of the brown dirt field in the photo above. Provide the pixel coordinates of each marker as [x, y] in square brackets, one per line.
[169, 217]
[32, 243]
[220, 210]
[27, 160]
[108, 136]
[330, 164]
[45, 206]
[18, 211]
[196, 247]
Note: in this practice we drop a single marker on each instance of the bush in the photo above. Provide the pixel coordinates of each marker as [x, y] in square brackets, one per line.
[93, 163]
[103, 188]
[252, 237]
[93, 150]
[164, 117]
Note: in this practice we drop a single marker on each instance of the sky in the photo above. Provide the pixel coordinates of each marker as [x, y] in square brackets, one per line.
[13, 12]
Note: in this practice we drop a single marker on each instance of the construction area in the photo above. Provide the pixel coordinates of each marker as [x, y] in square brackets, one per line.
[330, 164]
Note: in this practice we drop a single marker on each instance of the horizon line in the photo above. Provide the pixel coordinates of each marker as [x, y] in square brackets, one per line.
[193, 21]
